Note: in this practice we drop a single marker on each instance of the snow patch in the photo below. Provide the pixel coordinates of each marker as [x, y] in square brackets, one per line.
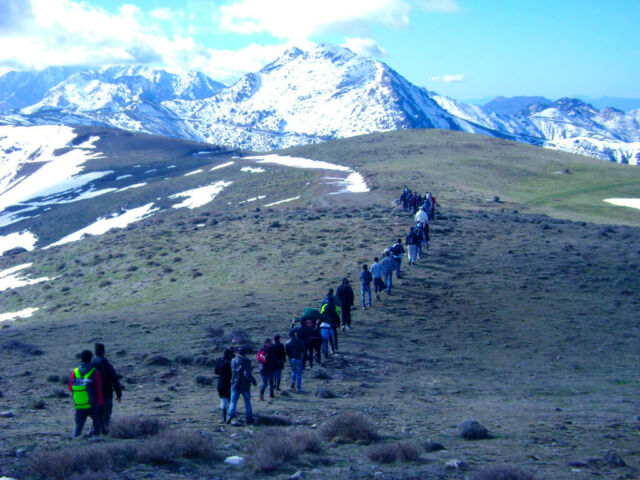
[282, 201]
[26, 313]
[135, 185]
[104, 224]
[194, 172]
[354, 182]
[624, 202]
[253, 170]
[24, 239]
[200, 196]
[122, 177]
[253, 199]
[10, 278]
[217, 167]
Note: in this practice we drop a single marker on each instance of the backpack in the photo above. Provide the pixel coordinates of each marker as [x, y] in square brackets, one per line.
[83, 389]
[397, 249]
[262, 357]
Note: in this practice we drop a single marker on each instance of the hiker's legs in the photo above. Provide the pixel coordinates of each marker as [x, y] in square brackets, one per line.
[80, 418]
[325, 347]
[388, 281]
[224, 407]
[308, 352]
[265, 380]
[346, 316]
[332, 340]
[105, 416]
[296, 373]
[248, 411]
[335, 337]
[276, 378]
[233, 403]
[398, 262]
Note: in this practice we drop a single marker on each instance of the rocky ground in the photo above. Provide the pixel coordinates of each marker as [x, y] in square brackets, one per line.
[521, 322]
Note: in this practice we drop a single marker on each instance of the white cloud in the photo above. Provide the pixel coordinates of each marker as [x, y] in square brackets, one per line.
[162, 13]
[456, 78]
[364, 46]
[297, 20]
[447, 6]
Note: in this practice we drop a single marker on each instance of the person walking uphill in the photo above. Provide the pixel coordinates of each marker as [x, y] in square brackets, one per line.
[241, 381]
[268, 365]
[295, 351]
[223, 370]
[331, 311]
[397, 250]
[412, 245]
[346, 296]
[388, 267]
[281, 359]
[365, 285]
[110, 384]
[376, 273]
[85, 384]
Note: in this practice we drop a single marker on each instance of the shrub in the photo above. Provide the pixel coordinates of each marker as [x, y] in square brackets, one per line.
[271, 421]
[134, 427]
[390, 452]
[273, 447]
[504, 472]
[350, 428]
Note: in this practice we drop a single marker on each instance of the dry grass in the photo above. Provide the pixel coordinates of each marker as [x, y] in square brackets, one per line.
[273, 447]
[404, 451]
[135, 427]
[350, 428]
[502, 473]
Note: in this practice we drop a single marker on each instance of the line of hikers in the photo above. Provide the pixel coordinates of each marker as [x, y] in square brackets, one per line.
[313, 335]
[316, 332]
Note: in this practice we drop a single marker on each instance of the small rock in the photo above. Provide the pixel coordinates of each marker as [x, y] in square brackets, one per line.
[472, 430]
[455, 464]
[234, 460]
[6, 414]
[296, 476]
[21, 452]
[53, 378]
[321, 374]
[158, 360]
[325, 393]
[202, 380]
[612, 459]
[431, 446]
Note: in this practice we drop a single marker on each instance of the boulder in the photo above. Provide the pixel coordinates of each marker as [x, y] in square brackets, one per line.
[472, 430]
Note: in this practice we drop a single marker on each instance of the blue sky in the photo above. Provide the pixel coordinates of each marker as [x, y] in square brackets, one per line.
[462, 48]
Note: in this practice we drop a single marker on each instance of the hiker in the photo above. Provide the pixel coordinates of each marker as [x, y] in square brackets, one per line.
[85, 384]
[412, 245]
[325, 331]
[365, 285]
[268, 364]
[331, 311]
[241, 381]
[280, 358]
[345, 294]
[315, 343]
[295, 352]
[433, 202]
[376, 273]
[396, 251]
[109, 384]
[309, 338]
[404, 198]
[388, 267]
[223, 370]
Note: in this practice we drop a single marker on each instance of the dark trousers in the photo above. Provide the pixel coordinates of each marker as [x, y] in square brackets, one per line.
[267, 379]
[104, 413]
[345, 312]
[81, 418]
[277, 376]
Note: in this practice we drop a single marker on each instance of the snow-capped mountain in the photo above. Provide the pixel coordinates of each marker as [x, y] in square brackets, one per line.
[513, 105]
[312, 96]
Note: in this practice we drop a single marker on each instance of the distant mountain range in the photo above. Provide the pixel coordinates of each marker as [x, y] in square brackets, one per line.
[311, 96]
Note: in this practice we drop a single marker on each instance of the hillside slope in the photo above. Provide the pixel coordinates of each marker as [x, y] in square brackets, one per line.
[513, 319]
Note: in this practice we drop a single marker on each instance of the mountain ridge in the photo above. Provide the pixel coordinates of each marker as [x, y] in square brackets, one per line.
[310, 96]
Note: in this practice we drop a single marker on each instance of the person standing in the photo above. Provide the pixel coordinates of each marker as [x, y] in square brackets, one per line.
[365, 285]
[412, 246]
[85, 384]
[295, 351]
[346, 296]
[267, 359]
[281, 359]
[388, 267]
[241, 381]
[223, 370]
[397, 250]
[376, 273]
[325, 332]
[110, 384]
[331, 311]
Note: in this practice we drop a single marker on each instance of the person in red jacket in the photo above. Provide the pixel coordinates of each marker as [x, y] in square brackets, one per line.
[85, 384]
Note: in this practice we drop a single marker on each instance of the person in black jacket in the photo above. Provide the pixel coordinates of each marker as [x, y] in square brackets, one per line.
[281, 359]
[345, 294]
[295, 351]
[110, 384]
[223, 370]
